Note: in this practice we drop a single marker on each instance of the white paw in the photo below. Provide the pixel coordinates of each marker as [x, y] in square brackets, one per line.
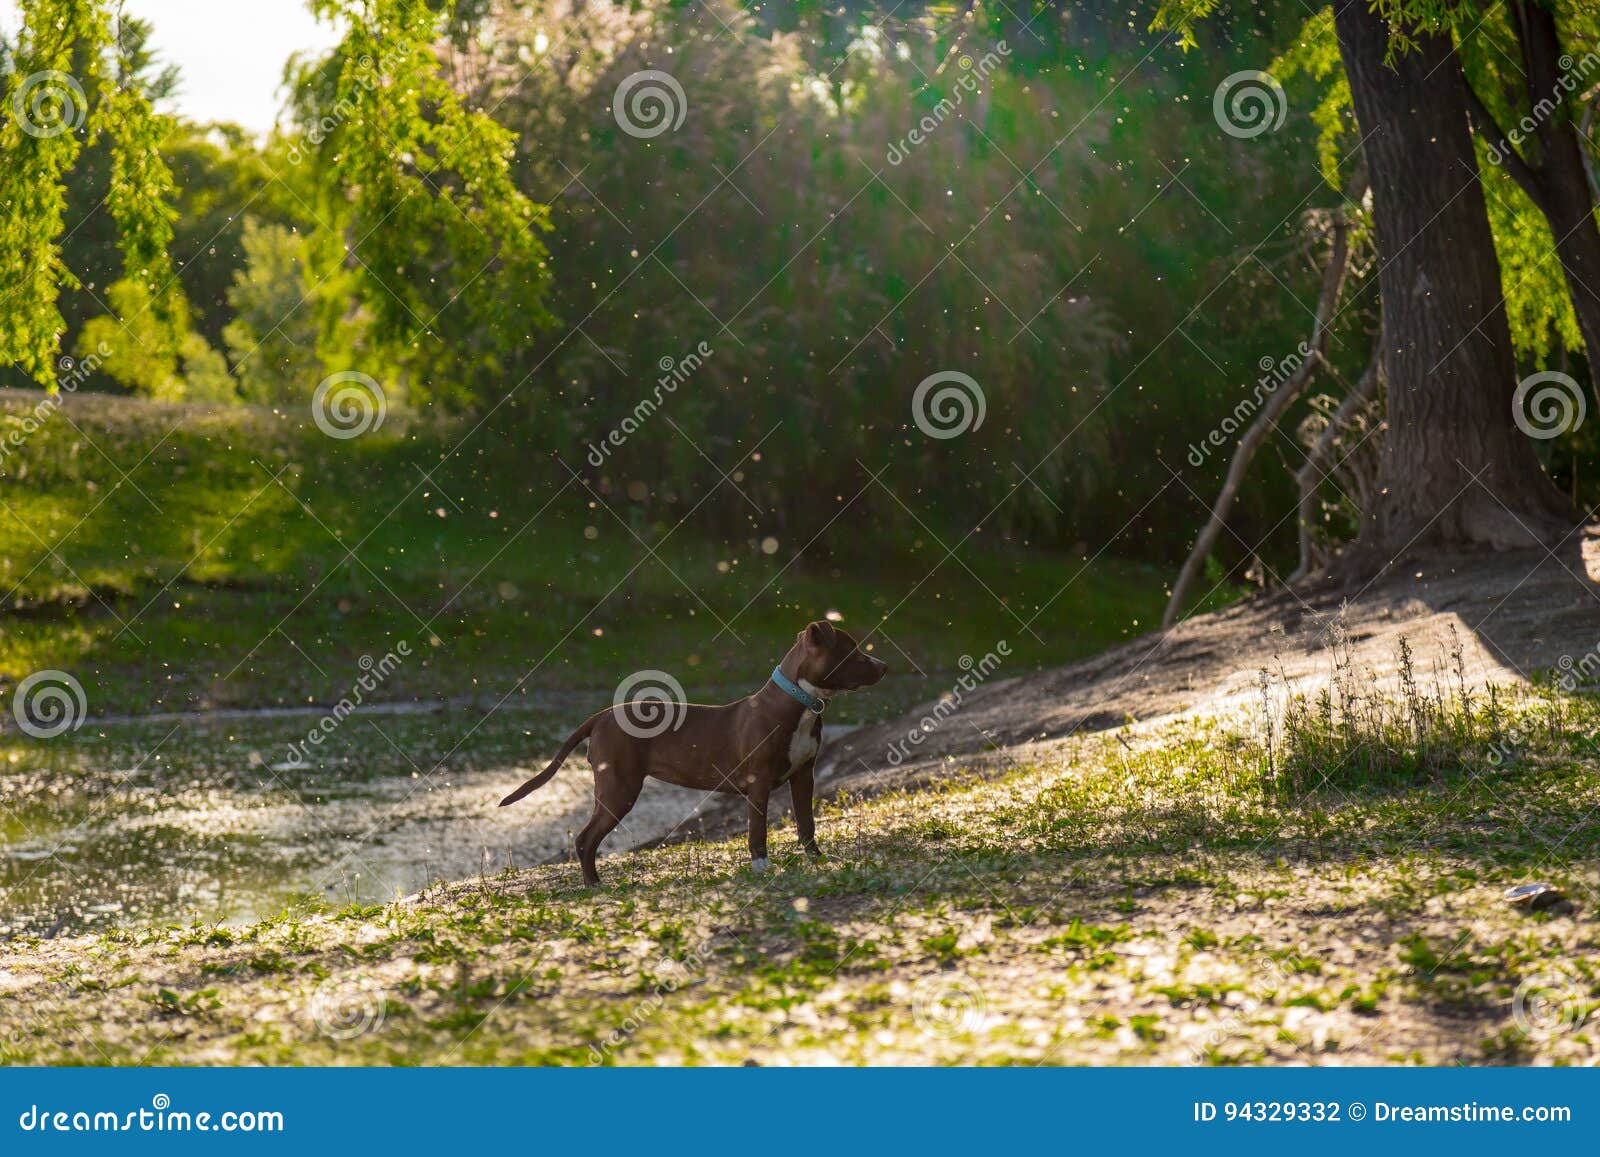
[761, 865]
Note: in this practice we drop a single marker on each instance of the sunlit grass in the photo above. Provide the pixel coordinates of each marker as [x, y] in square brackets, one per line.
[1142, 897]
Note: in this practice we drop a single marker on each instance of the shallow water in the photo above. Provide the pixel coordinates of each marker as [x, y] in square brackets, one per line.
[176, 819]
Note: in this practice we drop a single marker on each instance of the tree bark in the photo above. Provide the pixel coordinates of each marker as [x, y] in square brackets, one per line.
[1455, 468]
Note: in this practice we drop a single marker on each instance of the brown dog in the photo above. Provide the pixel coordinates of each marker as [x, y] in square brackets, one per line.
[749, 747]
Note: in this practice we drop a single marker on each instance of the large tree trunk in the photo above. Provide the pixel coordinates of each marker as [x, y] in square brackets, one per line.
[1455, 468]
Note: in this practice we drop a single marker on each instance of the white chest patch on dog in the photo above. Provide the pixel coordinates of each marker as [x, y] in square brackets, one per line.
[806, 739]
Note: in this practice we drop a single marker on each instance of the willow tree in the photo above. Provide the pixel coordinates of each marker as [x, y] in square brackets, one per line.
[65, 90]
[418, 199]
[1455, 468]
[445, 249]
[1529, 71]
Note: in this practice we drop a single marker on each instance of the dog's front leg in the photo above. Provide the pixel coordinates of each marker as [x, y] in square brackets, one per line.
[801, 788]
[757, 800]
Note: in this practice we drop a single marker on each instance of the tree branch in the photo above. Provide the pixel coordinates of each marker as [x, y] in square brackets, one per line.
[1499, 141]
[1586, 147]
[1327, 304]
[1311, 475]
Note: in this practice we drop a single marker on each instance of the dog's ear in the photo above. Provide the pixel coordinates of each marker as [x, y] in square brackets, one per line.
[820, 634]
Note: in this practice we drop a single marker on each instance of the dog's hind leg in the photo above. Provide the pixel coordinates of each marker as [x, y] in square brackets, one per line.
[615, 793]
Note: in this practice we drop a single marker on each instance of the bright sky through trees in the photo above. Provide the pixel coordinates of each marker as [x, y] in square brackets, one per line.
[231, 54]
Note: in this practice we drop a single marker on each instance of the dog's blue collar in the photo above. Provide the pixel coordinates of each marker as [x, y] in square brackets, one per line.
[794, 691]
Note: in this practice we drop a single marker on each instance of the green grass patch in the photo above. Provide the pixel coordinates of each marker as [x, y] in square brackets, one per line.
[173, 557]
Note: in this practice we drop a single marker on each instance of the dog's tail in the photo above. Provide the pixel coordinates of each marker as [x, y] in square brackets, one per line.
[549, 773]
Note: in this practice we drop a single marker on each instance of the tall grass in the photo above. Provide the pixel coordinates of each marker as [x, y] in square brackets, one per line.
[1360, 730]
